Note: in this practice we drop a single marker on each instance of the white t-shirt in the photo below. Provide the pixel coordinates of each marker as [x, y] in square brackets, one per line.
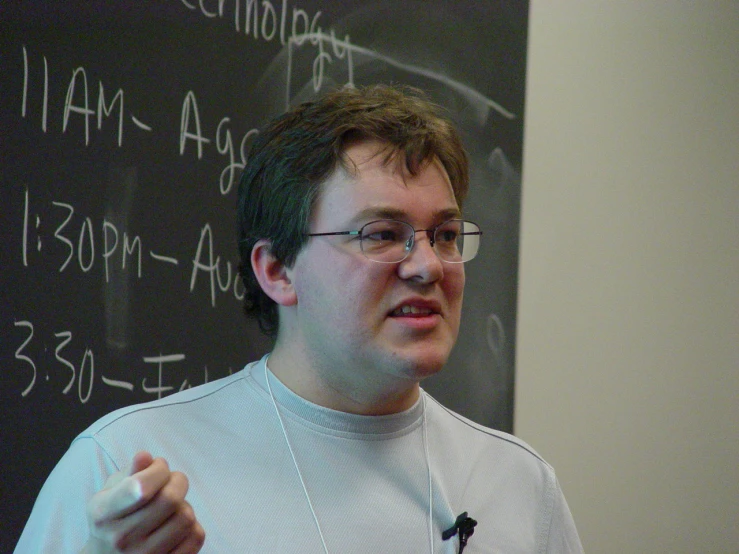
[366, 476]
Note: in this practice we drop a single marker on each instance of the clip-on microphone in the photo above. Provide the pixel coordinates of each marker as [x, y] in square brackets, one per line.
[465, 526]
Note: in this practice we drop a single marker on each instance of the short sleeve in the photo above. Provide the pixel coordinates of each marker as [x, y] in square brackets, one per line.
[58, 521]
[563, 537]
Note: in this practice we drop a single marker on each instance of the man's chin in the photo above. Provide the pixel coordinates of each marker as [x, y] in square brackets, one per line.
[421, 364]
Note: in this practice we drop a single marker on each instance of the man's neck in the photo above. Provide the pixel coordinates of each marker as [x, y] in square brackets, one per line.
[321, 387]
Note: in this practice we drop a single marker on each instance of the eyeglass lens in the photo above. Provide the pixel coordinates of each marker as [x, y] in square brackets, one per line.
[389, 240]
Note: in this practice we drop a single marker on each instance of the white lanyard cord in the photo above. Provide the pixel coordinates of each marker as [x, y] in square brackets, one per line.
[295, 461]
[428, 470]
[305, 489]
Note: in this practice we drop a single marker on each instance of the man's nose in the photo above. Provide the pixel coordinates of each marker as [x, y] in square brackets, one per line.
[412, 238]
[422, 263]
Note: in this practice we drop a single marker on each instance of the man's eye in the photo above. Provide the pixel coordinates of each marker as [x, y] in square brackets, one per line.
[447, 235]
[385, 235]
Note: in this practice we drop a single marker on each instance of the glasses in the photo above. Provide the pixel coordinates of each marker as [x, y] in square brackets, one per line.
[390, 241]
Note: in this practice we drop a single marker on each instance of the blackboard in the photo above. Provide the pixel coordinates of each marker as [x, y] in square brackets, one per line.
[123, 128]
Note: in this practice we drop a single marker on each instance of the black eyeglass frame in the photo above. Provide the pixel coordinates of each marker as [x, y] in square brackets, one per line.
[430, 233]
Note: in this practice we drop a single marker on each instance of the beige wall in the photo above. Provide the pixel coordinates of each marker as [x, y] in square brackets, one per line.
[628, 337]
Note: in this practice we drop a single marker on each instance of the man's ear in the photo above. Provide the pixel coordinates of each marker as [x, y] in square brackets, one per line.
[272, 274]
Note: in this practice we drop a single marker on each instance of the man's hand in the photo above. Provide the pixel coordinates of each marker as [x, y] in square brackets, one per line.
[142, 509]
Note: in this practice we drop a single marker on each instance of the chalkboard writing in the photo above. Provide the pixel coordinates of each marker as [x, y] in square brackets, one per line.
[124, 127]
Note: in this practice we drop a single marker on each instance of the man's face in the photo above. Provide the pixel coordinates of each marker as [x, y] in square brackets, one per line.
[349, 321]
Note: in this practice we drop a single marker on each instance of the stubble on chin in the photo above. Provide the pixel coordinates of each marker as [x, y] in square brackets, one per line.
[418, 364]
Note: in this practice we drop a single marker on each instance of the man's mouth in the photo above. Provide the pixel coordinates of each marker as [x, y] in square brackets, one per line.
[411, 311]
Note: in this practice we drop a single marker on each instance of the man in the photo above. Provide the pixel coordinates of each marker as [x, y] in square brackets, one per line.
[353, 248]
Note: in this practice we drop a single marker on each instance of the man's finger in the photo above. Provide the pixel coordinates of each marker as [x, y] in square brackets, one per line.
[140, 461]
[116, 501]
[157, 512]
[168, 531]
[129, 489]
[193, 543]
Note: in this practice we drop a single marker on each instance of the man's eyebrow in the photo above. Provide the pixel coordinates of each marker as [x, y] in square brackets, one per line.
[387, 212]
